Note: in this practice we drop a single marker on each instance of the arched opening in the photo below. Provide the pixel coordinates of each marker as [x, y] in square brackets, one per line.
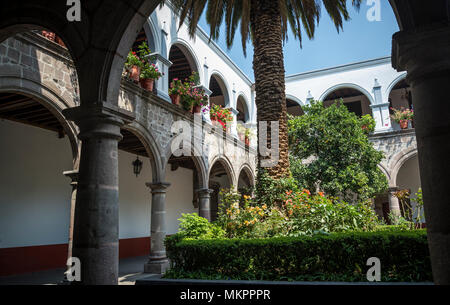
[35, 198]
[219, 178]
[242, 108]
[219, 95]
[400, 97]
[293, 108]
[355, 101]
[183, 63]
[245, 182]
[134, 196]
[185, 178]
[408, 178]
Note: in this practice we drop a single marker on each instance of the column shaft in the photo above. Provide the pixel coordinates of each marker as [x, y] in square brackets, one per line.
[96, 224]
[158, 262]
[204, 198]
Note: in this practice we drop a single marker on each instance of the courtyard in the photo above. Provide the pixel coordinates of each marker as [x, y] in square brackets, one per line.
[105, 155]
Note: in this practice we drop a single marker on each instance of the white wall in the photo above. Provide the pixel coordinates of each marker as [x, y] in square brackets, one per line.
[34, 194]
[362, 75]
[179, 197]
[217, 61]
[134, 197]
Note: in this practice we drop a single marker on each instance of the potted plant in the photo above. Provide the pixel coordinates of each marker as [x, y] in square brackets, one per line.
[248, 135]
[49, 35]
[241, 132]
[403, 117]
[176, 90]
[149, 73]
[133, 66]
[199, 99]
[215, 111]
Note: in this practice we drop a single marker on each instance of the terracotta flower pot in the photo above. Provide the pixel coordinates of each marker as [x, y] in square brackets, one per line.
[176, 99]
[214, 121]
[197, 109]
[49, 35]
[147, 84]
[135, 73]
[404, 124]
[247, 141]
[59, 41]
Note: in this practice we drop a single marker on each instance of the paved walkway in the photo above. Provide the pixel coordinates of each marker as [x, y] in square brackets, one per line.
[130, 270]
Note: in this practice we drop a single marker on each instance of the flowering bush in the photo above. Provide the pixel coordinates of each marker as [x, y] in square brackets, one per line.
[150, 71]
[191, 95]
[402, 115]
[301, 213]
[177, 87]
[133, 60]
[221, 115]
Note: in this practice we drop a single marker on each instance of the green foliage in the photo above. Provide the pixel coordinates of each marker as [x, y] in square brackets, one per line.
[193, 226]
[298, 213]
[330, 151]
[322, 257]
[270, 191]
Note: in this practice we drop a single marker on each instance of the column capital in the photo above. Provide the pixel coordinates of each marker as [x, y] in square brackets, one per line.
[158, 188]
[98, 120]
[393, 189]
[204, 192]
[422, 52]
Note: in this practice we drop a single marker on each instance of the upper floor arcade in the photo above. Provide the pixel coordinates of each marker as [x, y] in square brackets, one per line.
[371, 87]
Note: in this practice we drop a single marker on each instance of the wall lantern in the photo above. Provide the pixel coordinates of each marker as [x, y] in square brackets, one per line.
[137, 167]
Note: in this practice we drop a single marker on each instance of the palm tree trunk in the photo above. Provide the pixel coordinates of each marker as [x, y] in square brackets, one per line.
[268, 65]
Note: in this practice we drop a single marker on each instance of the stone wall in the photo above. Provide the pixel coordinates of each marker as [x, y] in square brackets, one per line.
[398, 147]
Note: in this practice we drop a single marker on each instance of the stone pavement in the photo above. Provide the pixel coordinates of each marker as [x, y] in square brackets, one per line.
[130, 270]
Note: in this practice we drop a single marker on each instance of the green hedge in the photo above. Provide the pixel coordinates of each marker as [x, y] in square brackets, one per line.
[336, 257]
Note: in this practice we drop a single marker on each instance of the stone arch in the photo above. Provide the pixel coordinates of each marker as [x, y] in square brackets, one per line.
[247, 114]
[394, 83]
[50, 100]
[295, 99]
[150, 30]
[246, 168]
[351, 86]
[224, 87]
[227, 165]
[188, 53]
[398, 161]
[199, 161]
[385, 171]
[151, 147]
[294, 105]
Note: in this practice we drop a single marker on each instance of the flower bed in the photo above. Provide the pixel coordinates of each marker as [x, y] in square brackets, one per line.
[335, 257]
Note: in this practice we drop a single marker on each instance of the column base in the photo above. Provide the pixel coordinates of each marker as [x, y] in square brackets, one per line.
[156, 267]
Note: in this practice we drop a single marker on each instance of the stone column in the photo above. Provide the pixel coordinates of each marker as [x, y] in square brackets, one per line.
[73, 175]
[96, 225]
[158, 262]
[394, 203]
[204, 200]
[424, 54]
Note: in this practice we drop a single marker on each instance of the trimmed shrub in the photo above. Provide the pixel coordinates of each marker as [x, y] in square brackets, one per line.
[326, 257]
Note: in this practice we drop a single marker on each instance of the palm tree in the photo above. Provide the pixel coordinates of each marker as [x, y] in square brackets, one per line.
[266, 22]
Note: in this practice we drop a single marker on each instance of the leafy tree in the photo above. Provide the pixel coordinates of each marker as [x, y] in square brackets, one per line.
[331, 152]
[266, 23]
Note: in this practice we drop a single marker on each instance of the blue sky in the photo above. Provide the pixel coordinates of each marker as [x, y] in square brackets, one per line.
[360, 40]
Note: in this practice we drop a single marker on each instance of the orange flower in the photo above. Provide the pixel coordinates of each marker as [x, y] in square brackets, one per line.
[321, 194]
